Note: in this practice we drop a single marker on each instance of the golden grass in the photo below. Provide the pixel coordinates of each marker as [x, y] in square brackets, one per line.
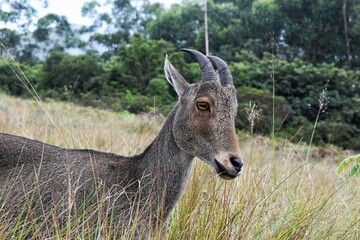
[281, 198]
[67, 125]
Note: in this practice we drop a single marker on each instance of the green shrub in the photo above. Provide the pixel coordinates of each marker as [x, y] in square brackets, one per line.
[263, 100]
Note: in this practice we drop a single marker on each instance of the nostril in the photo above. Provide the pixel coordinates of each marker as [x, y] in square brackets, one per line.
[237, 163]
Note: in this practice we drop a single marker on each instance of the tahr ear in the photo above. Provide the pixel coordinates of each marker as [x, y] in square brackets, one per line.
[175, 78]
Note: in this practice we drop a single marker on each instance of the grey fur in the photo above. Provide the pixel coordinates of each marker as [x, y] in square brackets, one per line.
[152, 181]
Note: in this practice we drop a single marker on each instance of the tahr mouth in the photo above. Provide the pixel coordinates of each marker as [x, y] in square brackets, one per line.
[222, 172]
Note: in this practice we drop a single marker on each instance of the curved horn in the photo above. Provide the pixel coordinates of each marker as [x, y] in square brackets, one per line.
[223, 69]
[207, 70]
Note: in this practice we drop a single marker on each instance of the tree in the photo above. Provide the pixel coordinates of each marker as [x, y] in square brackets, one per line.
[346, 33]
[8, 38]
[141, 61]
[314, 29]
[68, 76]
[123, 19]
[179, 25]
[353, 10]
[260, 23]
[18, 13]
[54, 31]
[224, 30]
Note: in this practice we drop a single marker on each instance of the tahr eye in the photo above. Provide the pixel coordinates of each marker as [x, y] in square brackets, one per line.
[203, 106]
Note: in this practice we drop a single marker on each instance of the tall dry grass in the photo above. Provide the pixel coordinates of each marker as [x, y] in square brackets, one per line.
[67, 125]
[288, 198]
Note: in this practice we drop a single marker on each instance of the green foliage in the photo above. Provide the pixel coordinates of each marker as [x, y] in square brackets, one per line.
[142, 60]
[136, 103]
[179, 25]
[301, 84]
[10, 37]
[263, 100]
[315, 21]
[159, 87]
[312, 30]
[69, 74]
[354, 161]
[8, 82]
[12, 80]
[308, 37]
[262, 23]
[132, 81]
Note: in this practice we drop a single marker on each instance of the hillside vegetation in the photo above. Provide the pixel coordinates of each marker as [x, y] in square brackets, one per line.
[280, 195]
[308, 47]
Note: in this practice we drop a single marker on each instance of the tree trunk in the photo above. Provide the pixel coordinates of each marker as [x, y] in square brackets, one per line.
[346, 33]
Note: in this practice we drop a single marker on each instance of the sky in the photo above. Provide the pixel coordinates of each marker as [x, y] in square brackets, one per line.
[72, 9]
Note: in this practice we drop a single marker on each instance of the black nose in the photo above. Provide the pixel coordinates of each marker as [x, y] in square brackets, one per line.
[237, 163]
